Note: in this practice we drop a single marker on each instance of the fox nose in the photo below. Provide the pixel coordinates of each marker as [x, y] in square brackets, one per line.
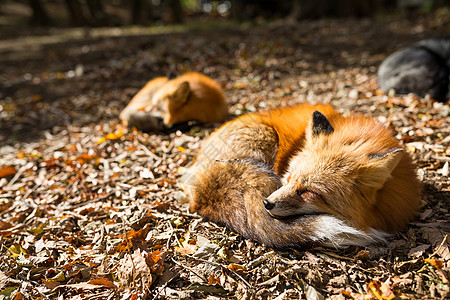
[268, 205]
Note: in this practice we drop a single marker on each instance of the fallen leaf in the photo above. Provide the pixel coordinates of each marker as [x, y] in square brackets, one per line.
[206, 249]
[111, 136]
[213, 280]
[102, 281]
[7, 171]
[382, 290]
[312, 294]
[18, 296]
[5, 225]
[440, 243]
[362, 255]
[58, 277]
[155, 261]
[445, 170]
[3, 280]
[133, 271]
[82, 285]
[16, 250]
[132, 237]
[418, 251]
[438, 264]
[50, 284]
[8, 292]
[223, 252]
[236, 267]
[189, 246]
[208, 288]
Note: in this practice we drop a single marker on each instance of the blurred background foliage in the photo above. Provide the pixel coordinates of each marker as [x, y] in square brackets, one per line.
[104, 13]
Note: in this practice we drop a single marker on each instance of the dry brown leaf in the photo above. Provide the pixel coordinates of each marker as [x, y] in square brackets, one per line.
[7, 171]
[5, 225]
[438, 264]
[82, 286]
[236, 267]
[439, 241]
[155, 261]
[187, 249]
[362, 255]
[131, 238]
[102, 281]
[3, 280]
[312, 293]
[418, 251]
[189, 246]
[111, 136]
[18, 296]
[381, 290]
[213, 280]
[50, 284]
[133, 271]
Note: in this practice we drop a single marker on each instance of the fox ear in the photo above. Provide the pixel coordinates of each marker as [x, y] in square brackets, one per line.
[320, 124]
[387, 159]
[380, 167]
[181, 93]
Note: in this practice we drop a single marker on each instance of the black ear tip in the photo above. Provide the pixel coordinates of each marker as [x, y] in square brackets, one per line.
[383, 154]
[319, 118]
[320, 124]
[317, 114]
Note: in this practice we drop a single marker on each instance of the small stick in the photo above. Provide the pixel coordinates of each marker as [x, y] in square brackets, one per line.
[440, 246]
[222, 266]
[176, 238]
[14, 179]
[165, 285]
[190, 270]
[148, 152]
[260, 259]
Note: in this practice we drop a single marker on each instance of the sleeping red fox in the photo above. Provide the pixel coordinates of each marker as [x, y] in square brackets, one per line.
[162, 103]
[305, 174]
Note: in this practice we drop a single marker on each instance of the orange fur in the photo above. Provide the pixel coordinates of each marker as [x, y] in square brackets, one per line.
[333, 180]
[164, 103]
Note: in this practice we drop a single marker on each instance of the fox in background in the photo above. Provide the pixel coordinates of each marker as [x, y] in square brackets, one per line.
[422, 68]
[162, 103]
[303, 175]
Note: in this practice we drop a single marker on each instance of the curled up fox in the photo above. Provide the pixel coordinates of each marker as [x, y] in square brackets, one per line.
[162, 103]
[304, 175]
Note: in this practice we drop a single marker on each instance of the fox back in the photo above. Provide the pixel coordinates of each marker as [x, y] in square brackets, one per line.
[422, 68]
[163, 103]
[306, 174]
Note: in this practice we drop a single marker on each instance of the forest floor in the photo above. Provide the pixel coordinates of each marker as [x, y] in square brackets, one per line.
[92, 210]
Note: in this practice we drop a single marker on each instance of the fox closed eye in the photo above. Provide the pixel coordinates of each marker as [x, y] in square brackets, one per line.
[301, 192]
[309, 196]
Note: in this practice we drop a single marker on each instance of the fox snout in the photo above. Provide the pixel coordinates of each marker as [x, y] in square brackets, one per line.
[268, 205]
[287, 202]
[282, 203]
[146, 121]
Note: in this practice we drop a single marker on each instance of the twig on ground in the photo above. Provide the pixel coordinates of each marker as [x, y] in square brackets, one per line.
[259, 260]
[440, 246]
[148, 152]
[224, 267]
[190, 270]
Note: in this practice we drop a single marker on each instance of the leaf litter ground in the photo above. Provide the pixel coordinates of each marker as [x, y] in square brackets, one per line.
[91, 210]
